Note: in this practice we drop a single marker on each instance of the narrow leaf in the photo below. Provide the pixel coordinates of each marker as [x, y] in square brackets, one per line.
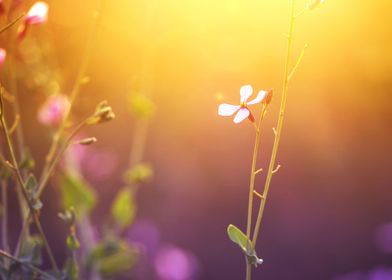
[124, 208]
[77, 193]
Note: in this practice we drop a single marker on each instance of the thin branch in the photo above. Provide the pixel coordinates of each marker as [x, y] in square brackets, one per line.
[252, 185]
[42, 184]
[4, 217]
[21, 185]
[258, 171]
[276, 169]
[14, 125]
[74, 92]
[10, 24]
[31, 267]
[299, 60]
[259, 195]
[278, 131]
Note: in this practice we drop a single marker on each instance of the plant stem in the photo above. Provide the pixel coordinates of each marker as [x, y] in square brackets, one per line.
[21, 185]
[31, 267]
[11, 23]
[4, 220]
[252, 183]
[43, 183]
[21, 235]
[271, 166]
[16, 108]
[74, 92]
[248, 270]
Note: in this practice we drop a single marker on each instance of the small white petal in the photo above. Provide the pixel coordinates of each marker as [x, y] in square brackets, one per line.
[241, 115]
[227, 109]
[260, 96]
[38, 13]
[245, 92]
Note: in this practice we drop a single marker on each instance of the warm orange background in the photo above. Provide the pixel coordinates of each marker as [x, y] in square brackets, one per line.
[334, 187]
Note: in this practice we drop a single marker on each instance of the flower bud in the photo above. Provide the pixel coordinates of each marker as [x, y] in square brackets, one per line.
[37, 14]
[313, 4]
[87, 141]
[103, 113]
[267, 99]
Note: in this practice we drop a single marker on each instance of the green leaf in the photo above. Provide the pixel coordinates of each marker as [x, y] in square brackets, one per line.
[31, 184]
[113, 257]
[31, 187]
[124, 207]
[77, 193]
[238, 237]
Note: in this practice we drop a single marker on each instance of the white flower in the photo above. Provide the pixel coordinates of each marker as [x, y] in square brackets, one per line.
[242, 111]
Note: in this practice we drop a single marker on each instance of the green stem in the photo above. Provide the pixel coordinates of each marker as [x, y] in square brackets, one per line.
[248, 270]
[31, 267]
[21, 185]
[4, 220]
[43, 183]
[271, 166]
[21, 235]
[11, 23]
[252, 183]
[16, 108]
[74, 93]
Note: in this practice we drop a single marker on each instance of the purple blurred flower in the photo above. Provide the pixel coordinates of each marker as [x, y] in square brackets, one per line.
[356, 275]
[383, 238]
[173, 263]
[99, 164]
[95, 164]
[53, 110]
[146, 234]
[381, 273]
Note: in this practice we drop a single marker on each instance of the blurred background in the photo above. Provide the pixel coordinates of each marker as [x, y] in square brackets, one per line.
[329, 212]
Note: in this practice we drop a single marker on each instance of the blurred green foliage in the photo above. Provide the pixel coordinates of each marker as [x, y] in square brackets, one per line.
[77, 193]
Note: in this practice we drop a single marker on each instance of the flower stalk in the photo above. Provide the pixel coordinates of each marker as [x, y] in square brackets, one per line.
[272, 169]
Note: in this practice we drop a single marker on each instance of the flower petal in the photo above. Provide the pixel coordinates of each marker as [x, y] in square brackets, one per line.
[3, 54]
[260, 96]
[242, 114]
[37, 14]
[245, 92]
[227, 109]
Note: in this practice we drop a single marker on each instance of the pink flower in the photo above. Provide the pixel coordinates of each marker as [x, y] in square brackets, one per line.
[173, 263]
[37, 14]
[53, 110]
[3, 54]
[242, 111]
